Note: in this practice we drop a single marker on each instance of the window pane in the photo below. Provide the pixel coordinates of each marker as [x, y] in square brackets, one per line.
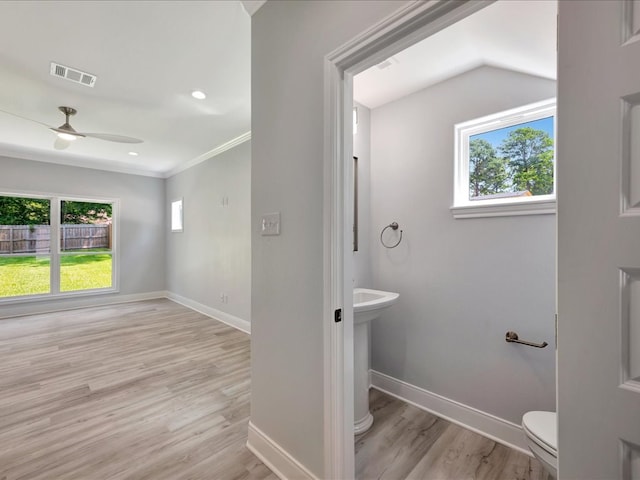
[24, 275]
[25, 244]
[514, 161]
[81, 271]
[85, 226]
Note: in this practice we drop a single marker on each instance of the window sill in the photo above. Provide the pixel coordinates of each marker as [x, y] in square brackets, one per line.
[540, 207]
[57, 296]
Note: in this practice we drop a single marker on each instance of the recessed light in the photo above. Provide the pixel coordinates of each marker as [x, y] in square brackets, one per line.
[198, 94]
[133, 154]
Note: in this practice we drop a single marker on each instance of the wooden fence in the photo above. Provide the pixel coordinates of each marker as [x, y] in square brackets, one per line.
[37, 238]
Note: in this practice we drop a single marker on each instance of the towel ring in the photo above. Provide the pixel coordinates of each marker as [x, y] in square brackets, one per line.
[392, 226]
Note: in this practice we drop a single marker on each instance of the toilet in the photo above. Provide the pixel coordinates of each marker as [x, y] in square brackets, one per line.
[542, 438]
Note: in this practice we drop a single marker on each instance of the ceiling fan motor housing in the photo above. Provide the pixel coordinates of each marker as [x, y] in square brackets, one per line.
[66, 126]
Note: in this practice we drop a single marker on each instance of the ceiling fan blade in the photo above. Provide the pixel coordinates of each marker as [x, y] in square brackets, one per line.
[61, 144]
[67, 129]
[25, 118]
[113, 138]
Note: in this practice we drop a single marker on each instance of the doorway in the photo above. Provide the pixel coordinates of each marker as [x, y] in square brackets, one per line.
[405, 29]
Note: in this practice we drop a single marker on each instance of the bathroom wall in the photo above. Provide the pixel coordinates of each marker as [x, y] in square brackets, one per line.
[141, 222]
[463, 283]
[209, 263]
[362, 150]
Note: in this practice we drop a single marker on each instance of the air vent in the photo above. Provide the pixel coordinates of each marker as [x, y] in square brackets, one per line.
[72, 74]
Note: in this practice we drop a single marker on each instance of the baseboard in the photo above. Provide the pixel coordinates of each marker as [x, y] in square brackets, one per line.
[485, 424]
[275, 457]
[73, 303]
[235, 322]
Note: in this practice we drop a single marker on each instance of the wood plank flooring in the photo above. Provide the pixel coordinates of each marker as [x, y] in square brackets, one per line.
[406, 443]
[153, 390]
[144, 390]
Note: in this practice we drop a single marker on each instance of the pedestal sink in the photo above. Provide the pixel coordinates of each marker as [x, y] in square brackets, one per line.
[367, 305]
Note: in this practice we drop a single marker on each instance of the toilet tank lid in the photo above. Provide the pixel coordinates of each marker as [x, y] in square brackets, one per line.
[543, 425]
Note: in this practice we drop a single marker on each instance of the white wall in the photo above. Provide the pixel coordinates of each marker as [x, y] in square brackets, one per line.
[463, 283]
[212, 256]
[289, 42]
[141, 222]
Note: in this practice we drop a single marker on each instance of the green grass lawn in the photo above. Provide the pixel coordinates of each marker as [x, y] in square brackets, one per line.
[30, 275]
[24, 276]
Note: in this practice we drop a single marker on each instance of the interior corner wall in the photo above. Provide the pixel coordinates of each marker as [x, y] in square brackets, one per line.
[463, 283]
[141, 221]
[209, 262]
[362, 150]
[289, 42]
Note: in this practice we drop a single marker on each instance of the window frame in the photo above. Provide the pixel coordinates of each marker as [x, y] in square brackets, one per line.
[463, 206]
[55, 249]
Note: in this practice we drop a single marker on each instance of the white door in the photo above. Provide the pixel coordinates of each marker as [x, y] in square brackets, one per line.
[599, 239]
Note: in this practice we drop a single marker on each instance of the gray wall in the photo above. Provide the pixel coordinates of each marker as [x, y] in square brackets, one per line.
[462, 283]
[212, 256]
[141, 222]
[289, 42]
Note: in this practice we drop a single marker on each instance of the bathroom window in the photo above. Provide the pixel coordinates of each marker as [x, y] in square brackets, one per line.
[505, 163]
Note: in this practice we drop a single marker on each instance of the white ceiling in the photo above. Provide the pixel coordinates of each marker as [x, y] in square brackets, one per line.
[514, 35]
[148, 56]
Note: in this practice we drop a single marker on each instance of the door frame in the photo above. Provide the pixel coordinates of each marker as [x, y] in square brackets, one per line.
[415, 21]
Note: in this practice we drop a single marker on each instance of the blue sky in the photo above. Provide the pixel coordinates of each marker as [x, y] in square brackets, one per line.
[495, 137]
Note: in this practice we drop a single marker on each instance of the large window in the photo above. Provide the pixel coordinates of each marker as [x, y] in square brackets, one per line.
[505, 163]
[53, 246]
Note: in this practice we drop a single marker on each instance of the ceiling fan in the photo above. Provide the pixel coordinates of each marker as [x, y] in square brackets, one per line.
[67, 134]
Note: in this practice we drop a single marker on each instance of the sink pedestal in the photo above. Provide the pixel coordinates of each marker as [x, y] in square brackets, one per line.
[362, 416]
[367, 305]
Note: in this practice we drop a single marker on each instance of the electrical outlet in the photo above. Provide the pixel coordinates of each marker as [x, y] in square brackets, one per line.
[270, 224]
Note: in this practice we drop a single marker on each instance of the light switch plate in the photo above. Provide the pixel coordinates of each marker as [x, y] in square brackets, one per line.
[270, 224]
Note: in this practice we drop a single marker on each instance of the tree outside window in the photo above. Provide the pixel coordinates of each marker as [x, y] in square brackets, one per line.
[521, 163]
[504, 159]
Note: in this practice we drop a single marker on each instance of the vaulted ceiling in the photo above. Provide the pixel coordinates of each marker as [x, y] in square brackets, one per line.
[518, 35]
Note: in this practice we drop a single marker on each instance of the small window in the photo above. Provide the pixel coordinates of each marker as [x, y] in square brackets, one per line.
[176, 216]
[505, 163]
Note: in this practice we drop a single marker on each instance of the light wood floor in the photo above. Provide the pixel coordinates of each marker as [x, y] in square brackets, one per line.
[408, 443]
[153, 390]
[145, 390]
